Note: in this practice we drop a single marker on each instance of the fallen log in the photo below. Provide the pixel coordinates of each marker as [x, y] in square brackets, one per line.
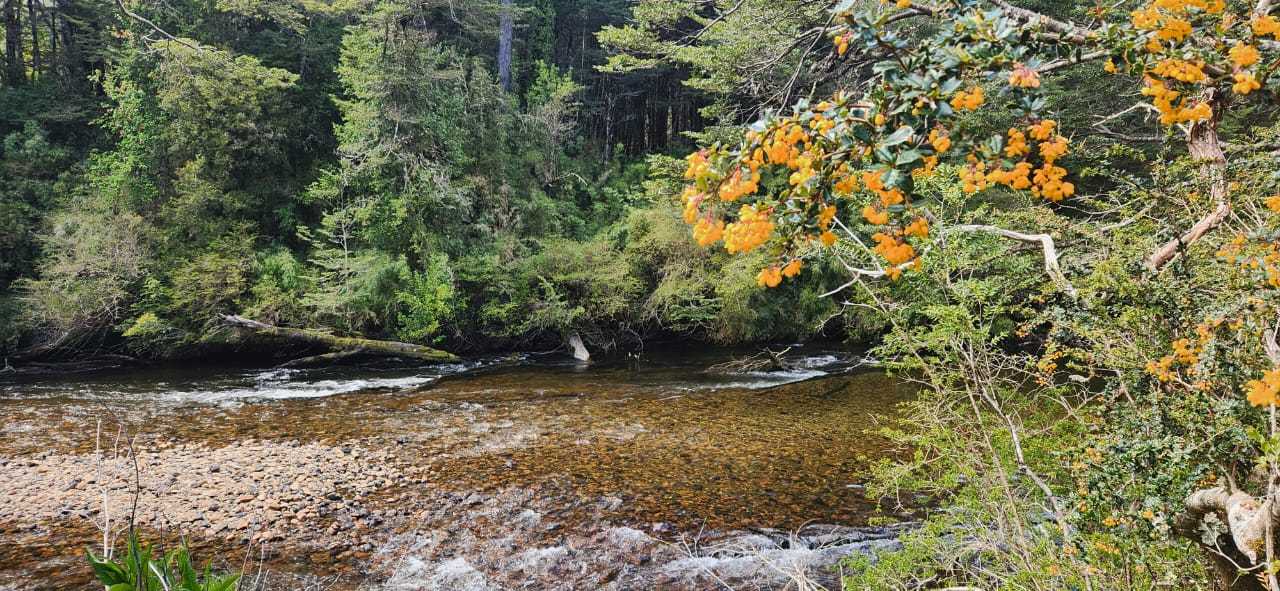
[338, 344]
[766, 360]
[323, 359]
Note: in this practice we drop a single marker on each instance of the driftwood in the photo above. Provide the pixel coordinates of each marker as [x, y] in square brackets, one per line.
[766, 360]
[579, 350]
[324, 359]
[340, 346]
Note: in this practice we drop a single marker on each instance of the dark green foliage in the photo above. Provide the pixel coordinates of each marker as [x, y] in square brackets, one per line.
[359, 170]
[29, 166]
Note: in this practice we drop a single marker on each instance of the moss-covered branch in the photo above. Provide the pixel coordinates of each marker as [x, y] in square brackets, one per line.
[339, 344]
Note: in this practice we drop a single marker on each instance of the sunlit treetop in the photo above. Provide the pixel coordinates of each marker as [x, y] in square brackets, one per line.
[796, 177]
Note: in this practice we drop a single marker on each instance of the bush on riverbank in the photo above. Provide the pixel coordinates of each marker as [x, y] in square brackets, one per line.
[1093, 319]
[144, 568]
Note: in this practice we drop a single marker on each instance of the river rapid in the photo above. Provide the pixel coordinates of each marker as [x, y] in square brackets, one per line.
[525, 471]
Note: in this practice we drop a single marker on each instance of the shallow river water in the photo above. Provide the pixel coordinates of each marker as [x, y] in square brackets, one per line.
[526, 471]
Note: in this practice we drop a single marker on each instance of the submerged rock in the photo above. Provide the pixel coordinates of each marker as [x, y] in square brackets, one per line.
[497, 544]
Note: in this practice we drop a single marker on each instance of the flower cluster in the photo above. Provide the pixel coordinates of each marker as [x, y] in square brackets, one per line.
[968, 100]
[772, 276]
[753, 228]
[1186, 354]
[707, 231]
[1266, 391]
[740, 184]
[1163, 97]
[1176, 66]
[1047, 181]
[1024, 77]
[896, 251]
[877, 214]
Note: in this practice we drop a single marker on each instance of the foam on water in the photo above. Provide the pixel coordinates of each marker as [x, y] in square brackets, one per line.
[803, 368]
[818, 361]
[757, 380]
[235, 386]
[179, 385]
[284, 389]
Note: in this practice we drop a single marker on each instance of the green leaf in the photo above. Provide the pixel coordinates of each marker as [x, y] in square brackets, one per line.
[108, 573]
[903, 134]
[950, 87]
[885, 66]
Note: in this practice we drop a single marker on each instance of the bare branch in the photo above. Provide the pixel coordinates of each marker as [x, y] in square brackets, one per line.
[1203, 144]
[719, 17]
[1063, 63]
[144, 20]
[1051, 265]
[1031, 17]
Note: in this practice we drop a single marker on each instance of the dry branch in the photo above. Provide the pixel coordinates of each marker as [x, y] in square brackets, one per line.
[1051, 266]
[766, 360]
[1203, 145]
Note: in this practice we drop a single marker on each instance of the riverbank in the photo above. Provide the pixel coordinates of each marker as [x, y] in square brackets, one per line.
[554, 476]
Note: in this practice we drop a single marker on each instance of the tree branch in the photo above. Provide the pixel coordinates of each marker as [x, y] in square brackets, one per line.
[1203, 145]
[1049, 248]
[1051, 266]
[1031, 17]
[1063, 63]
[144, 20]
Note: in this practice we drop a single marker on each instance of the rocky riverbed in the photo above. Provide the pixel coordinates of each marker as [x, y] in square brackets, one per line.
[532, 477]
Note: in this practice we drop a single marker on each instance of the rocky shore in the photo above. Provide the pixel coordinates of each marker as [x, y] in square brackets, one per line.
[516, 477]
[251, 492]
[357, 518]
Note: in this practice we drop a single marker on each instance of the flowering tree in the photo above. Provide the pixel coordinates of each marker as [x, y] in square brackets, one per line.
[793, 175]
[839, 177]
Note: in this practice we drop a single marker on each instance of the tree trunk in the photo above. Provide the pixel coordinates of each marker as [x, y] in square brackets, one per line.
[15, 71]
[53, 38]
[504, 45]
[35, 39]
[68, 58]
[1203, 144]
[1247, 521]
[339, 344]
[579, 350]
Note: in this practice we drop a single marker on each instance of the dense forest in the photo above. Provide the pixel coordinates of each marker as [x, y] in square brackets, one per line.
[1059, 218]
[408, 170]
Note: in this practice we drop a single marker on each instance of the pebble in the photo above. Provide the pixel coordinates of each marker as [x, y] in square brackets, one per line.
[288, 482]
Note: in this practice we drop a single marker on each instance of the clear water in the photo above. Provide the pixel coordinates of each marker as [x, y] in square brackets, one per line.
[676, 443]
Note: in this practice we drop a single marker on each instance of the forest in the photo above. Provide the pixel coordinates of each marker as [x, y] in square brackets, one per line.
[381, 169]
[1059, 220]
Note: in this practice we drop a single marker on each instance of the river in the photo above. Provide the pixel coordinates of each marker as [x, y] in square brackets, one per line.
[523, 471]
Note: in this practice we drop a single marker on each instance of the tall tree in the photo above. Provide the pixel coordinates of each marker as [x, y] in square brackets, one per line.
[14, 68]
[35, 37]
[505, 33]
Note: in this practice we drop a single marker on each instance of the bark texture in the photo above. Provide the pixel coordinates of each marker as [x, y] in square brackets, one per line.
[14, 67]
[1248, 522]
[505, 32]
[1203, 145]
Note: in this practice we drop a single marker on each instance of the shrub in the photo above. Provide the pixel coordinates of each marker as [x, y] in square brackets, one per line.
[142, 568]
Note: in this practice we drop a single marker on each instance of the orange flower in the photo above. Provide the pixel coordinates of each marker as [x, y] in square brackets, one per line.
[1024, 77]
